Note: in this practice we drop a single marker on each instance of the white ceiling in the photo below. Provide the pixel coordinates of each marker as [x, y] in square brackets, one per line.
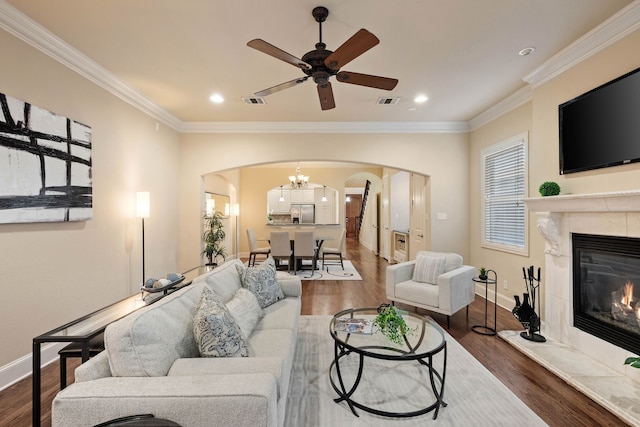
[463, 54]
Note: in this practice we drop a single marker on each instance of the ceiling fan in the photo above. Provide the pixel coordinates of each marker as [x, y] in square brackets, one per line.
[320, 64]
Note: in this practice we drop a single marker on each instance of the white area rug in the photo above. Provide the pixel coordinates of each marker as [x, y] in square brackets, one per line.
[330, 271]
[474, 396]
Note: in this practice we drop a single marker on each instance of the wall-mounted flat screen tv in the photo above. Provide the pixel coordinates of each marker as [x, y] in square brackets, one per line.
[601, 128]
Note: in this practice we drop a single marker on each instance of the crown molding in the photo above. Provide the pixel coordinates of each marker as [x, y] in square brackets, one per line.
[509, 103]
[325, 127]
[32, 33]
[610, 31]
[21, 26]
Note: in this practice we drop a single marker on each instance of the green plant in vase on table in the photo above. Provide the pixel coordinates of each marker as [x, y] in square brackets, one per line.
[389, 321]
[482, 273]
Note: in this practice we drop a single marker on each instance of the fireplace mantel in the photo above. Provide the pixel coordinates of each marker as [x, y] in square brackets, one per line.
[550, 209]
[621, 201]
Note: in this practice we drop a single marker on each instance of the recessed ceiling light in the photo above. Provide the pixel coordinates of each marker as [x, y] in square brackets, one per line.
[216, 98]
[420, 99]
[526, 51]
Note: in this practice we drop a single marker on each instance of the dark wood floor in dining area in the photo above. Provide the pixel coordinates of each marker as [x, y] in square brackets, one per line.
[556, 402]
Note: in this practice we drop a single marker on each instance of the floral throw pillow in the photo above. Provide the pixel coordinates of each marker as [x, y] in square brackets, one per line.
[216, 332]
[262, 281]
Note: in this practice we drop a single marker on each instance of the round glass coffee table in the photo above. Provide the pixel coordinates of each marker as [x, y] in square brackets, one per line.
[420, 346]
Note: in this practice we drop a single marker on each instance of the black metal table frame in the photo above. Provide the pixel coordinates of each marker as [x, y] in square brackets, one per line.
[342, 349]
[486, 329]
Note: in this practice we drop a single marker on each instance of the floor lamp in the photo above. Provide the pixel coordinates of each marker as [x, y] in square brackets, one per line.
[142, 211]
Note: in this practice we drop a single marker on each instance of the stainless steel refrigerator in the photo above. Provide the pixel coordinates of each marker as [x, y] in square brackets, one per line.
[303, 213]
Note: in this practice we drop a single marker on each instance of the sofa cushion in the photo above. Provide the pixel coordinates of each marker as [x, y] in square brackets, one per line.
[225, 280]
[422, 293]
[245, 310]
[215, 330]
[428, 269]
[147, 342]
[262, 281]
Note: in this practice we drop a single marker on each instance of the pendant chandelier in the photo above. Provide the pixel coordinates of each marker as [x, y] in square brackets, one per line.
[298, 180]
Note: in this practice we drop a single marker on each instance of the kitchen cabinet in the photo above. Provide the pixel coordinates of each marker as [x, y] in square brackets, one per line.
[275, 204]
[302, 196]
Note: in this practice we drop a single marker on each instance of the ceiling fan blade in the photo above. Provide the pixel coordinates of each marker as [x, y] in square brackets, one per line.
[281, 86]
[325, 93]
[358, 44]
[270, 49]
[377, 82]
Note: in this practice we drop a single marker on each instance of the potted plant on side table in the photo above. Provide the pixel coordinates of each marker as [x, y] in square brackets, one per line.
[213, 237]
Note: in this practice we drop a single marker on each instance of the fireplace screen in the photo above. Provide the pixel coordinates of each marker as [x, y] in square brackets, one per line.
[606, 285]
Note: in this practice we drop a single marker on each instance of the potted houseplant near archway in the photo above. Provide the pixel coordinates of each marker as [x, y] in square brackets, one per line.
[213, 237]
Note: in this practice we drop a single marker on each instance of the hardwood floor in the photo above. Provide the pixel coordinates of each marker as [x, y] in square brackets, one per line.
[552, 399]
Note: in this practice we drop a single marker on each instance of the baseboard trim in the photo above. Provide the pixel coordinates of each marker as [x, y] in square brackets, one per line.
[21, 368]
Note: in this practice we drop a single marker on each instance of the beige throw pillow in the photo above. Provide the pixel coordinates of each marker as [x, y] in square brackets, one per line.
[428, 269]
[245, 310]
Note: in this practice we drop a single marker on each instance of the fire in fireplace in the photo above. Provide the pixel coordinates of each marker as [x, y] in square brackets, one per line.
[606, 269]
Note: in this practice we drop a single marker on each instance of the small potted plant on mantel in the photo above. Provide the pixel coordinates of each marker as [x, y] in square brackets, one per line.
[549, 188]
[213, 237]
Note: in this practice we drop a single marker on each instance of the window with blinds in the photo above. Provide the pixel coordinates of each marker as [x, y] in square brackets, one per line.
[504, 185]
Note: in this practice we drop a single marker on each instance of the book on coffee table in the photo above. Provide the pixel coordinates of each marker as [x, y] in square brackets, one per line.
[354, 325]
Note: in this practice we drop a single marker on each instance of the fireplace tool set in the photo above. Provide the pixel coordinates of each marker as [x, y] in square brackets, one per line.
[525, 312]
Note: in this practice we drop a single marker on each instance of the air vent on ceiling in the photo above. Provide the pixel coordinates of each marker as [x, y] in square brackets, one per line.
[388, 101]
[254, 100]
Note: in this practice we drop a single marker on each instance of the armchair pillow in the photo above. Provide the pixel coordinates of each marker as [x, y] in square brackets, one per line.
[428, 269]
[216, 332]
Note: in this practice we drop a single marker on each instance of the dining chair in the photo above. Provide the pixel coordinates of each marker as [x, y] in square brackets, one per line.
[335, 252]
[281, 248]
[304, 247]
[254, 250]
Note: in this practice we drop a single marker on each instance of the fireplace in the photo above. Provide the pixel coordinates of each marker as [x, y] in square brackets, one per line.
[606, 288]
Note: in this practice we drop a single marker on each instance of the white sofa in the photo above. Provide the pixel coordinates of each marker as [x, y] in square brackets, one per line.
[151, 364]
[449, 288]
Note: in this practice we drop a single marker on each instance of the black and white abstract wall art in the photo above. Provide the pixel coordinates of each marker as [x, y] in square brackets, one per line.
[45, 165]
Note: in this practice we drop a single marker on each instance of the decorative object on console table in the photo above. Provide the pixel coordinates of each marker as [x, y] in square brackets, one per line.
[525, 312]
[483, 277]
[549, 188]
[213, 237]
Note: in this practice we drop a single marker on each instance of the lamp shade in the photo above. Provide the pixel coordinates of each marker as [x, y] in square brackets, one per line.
[142, 204]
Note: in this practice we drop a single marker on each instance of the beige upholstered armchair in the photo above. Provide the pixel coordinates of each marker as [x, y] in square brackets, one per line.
[435, 281]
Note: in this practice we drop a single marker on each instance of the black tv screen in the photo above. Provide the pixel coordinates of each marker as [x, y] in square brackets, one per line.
[601, 128]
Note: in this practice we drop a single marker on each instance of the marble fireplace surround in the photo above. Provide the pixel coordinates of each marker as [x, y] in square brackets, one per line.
[590, 364]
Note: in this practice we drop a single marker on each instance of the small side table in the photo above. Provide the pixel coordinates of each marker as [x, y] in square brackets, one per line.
[486, 329]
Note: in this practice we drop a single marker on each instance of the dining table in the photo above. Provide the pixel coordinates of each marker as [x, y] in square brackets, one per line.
[320, 239]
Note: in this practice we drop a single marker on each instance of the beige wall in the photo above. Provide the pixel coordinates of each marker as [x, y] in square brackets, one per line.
[540, 118]
[507, 265]
[444, 157]
[55, 272]
[255, 182]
